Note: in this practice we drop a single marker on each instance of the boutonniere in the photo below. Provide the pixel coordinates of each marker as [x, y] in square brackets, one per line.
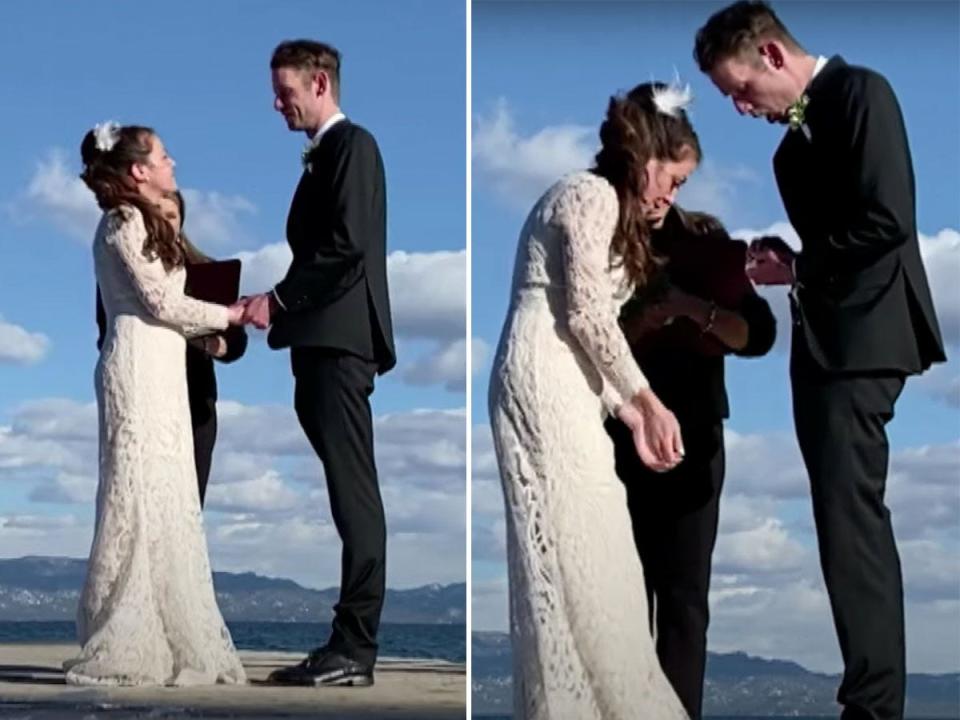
[305, 158]
[796, 115]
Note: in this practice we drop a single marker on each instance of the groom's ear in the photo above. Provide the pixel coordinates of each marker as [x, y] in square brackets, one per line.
[322, 81]
[773, 52]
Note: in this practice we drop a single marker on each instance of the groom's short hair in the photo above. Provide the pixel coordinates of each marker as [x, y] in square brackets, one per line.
[310, 56]
[736, 31]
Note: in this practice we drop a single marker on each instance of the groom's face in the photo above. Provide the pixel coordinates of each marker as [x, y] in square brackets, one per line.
[295, 97]
[756, 87]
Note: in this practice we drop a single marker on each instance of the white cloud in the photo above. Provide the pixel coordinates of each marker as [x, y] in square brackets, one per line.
[765, 465]
[931, 571]
[446, 365]
[20, 346]
[941, 382]
[428, 293]
[427, 289]
[791, 621]
[941, 258]
[922, 490]
[479, 354]
[57, 419]
[214, 220]
[263, 494]
[716, 190]
[54, 433]
[487, 506]
[763, 549]
[267, 509]
[428, 302]
[263, 268]
[767, 595]
[66, 488]
[520, 168]
[56, 194]
[35, 524]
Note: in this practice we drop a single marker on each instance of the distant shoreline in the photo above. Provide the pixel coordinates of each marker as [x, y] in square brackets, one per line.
[433, 641]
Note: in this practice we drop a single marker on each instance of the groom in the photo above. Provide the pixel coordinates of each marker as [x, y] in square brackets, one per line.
[332, 310]
[863, 314]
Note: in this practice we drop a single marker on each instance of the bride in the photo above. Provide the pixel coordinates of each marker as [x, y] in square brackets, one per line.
[148, 614]
[581, 642]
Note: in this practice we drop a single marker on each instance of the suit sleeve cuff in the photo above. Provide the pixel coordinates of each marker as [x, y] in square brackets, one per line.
[276, 296]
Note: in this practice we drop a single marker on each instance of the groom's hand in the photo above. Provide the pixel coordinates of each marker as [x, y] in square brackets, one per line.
[770, 261]
[259, 310]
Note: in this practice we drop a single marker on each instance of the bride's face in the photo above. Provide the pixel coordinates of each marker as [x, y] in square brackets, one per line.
[155, 176]
[664, 179]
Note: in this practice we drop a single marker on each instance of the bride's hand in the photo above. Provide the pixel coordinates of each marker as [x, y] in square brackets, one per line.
[235, 312]
[656, 432]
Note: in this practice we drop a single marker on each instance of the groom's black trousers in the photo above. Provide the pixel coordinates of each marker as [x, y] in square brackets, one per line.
[332, 391]
[840, 421]
[674, 516]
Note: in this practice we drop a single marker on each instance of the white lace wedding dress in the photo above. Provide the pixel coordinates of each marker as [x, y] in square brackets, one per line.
[148, 614]
[582, 647]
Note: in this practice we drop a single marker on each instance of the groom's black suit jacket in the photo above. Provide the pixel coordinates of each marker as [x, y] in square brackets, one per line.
[863, 302]
[335, 292]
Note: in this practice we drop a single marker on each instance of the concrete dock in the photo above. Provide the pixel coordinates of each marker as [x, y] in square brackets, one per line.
[31, 685]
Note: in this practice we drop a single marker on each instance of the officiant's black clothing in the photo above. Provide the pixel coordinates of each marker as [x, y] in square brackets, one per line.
[201, 393]
[336, 319]
[674, 514]
[863, 320]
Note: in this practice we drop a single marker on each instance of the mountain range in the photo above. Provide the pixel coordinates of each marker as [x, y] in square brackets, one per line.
[48, 588]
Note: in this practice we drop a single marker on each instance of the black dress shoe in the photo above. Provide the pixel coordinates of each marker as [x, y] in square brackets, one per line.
[325, 667]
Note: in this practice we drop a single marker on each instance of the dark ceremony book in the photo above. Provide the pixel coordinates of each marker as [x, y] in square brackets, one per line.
[216, 282]
[711, 266]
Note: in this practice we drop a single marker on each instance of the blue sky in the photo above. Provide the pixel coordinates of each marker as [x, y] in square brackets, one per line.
[199, 74]
[542, 76]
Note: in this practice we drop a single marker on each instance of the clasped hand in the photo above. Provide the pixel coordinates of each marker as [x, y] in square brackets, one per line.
[255, 310]
[770, 261]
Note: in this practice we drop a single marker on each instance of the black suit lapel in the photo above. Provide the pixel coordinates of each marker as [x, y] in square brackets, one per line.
[806, 168]
[313, 191]
[321, 152]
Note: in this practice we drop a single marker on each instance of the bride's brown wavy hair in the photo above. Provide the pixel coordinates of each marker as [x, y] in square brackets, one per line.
[107, 174]
[633, 132]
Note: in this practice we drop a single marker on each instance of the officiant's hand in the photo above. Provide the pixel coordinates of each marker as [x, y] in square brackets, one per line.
[680, 303]
[640, 322]
[676, 303]
[212, 345]
[770, 261]
[656, 432]
[259, 310]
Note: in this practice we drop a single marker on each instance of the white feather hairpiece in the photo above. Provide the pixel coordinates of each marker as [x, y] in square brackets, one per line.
[107, 134]
[671, 99]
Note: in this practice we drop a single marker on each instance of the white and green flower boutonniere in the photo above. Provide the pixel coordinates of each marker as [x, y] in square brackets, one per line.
[796, 115]
[308, 148]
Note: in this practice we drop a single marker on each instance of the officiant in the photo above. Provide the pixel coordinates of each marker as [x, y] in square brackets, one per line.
[226, 347]
[699, 307]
